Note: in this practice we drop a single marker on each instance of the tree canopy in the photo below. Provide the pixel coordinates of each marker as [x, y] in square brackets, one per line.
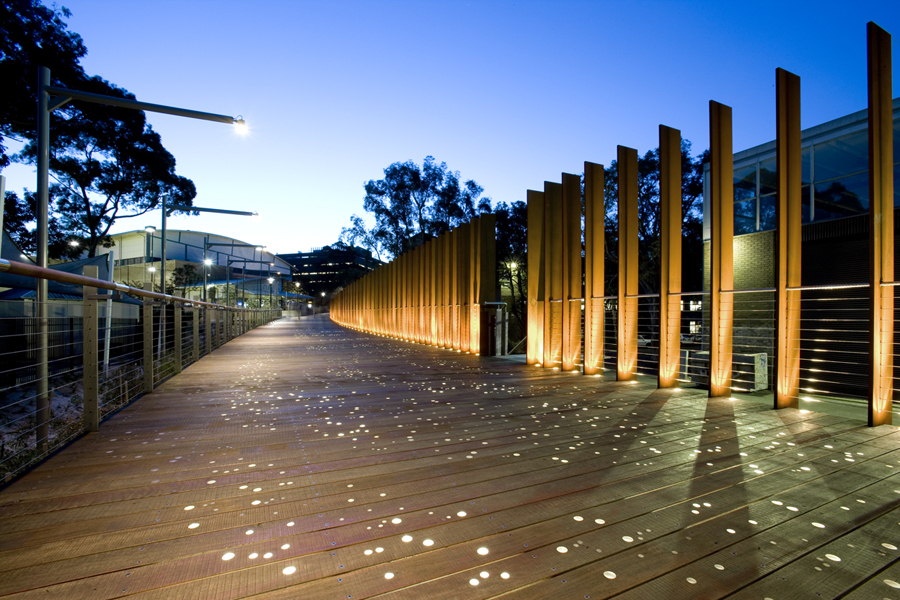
[412, 203]
[649, 219]
[107, 162]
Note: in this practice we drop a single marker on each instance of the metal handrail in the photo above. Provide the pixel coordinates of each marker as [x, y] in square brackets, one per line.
[30, 270]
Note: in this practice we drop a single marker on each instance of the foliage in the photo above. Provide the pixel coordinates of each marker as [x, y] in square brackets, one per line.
[185, 276]
[32, 35]
[649, 219]
[18, 213]
[109, 164]
[411, 203]
[512, 267]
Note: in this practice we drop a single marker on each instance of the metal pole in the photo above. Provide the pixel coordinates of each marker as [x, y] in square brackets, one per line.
[2, 200]
[41, 293]
[162, 281]
[111, 257]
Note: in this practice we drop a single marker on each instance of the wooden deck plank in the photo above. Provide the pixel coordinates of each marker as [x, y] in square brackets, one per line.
[347, 431]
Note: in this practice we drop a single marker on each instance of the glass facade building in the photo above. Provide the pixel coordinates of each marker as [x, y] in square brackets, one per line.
[835, 175]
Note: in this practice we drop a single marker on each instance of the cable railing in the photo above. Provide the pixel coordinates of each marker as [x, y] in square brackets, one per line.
[93, 362]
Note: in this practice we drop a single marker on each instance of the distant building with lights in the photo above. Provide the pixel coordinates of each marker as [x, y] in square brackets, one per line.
[330, 268]
[238, 273]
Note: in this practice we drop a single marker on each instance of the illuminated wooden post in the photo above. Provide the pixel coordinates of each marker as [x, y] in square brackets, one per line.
[432, 292]
[881, 227]
[462, 250]
[670, 255]
[787, 240]
[534, 350]
[447, 294]
[487, 257]
[626, 362]
[454, 289]
[594, 288]
[553, 280]
[721, 208]
[571, 270]
[474, 285]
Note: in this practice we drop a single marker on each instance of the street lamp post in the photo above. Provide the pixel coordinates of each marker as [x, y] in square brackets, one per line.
[49, 99]
[152, 271]
[206, 263]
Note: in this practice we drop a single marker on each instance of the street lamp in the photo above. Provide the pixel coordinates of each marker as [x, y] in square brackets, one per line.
[148, 258]
[152, 271]
[49, 99]
[271, 280]
[206, 263]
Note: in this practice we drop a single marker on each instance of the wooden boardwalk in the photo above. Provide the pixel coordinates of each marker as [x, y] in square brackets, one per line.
[307, 461]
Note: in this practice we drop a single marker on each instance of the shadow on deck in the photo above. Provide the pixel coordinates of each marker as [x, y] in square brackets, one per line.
[304, 460]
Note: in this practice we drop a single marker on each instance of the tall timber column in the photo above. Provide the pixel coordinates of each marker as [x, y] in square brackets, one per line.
[881, 227]
[446, 290]
[670, 255]
[432, 292]
[553, 279]
[628, 264]
[721, 208]
[454, 289]
[534, 350]
[594, 288]
[787, 240]
[487, 289]
[571, 270]
[474, 285]
[462, 251]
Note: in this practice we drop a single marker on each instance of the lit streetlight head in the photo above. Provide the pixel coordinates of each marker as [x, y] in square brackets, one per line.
[323, 294]
[152, 269]
[73, 243]
[271, 280]
[150, 229]
[240, 126]
[207, 261]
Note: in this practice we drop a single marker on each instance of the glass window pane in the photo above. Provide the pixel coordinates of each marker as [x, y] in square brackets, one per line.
[767, 206]
[804, 165]
[804, 213]
[768, 177]
[896, 143]
[842, 197]
[745, 217]
[744, 183]
[896, 179]
[843, 156]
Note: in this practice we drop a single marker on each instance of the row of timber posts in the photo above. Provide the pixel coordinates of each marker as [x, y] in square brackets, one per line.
[433, 294]
[556, 287]
[229, 324]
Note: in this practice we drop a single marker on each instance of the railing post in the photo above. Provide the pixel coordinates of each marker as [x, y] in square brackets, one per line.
[90, 340]
[195, 326]
[788, 241]
[179, 308]
[628, 264]
[148, 341]
[881, 228]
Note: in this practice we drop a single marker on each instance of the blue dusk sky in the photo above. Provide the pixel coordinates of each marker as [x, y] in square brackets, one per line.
[509, 94]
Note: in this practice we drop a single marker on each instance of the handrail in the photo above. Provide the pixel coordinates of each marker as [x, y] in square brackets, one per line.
[29, 270]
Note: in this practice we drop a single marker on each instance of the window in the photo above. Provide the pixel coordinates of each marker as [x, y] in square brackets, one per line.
[694, 326]
[696, 305]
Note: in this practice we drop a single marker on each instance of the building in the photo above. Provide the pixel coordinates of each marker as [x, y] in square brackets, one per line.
[835, 234]
[328, 269]
[234, 272]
